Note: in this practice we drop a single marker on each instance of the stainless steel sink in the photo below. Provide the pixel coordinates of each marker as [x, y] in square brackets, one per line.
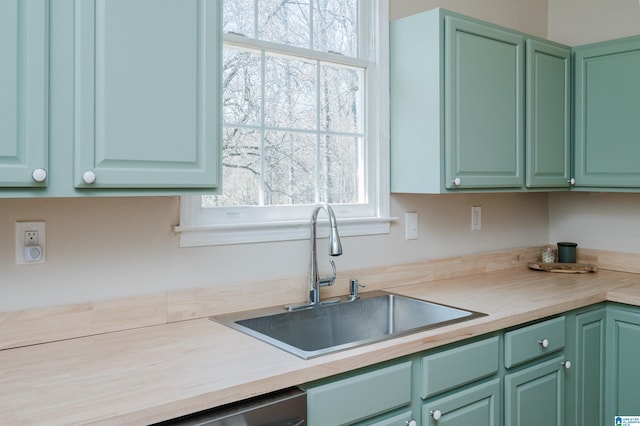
[332, 327]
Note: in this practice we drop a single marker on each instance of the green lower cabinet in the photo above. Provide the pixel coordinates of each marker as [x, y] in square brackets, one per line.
[358, 398]
[623, 362]
[478, 405]
[534, 396]
[585, 379]
[403, 418]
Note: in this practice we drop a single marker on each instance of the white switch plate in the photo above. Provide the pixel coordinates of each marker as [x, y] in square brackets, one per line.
[22, 242]
[476, 218]
[411, 226]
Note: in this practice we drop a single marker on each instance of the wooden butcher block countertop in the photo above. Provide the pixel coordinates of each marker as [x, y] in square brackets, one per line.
[150, 374]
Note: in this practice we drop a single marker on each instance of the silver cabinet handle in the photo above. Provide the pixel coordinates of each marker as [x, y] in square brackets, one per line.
[566, 364]
[571, 181]
[544, 343]
[436, 414]
[457, 181]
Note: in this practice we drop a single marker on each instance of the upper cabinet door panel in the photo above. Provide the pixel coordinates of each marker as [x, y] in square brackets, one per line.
[146, 107]
[548, 115]
[607, 101]
[484, 91]
[24, 88]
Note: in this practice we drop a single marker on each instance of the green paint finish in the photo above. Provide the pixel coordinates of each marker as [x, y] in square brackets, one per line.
[484, 82]
[359, 397]
[458, 107]
[535, 396]
[397, 419]
[147, 93]
[623, 365]
[478, 405]
[607, 101]
[455, 367]
[585, 380]
[24, 91]
[524, 345]
[548, 98]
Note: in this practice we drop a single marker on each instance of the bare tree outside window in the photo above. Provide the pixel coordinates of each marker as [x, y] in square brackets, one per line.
[293, 131]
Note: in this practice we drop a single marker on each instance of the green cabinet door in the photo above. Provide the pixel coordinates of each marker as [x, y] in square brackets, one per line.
[548, 98]
[484, 104]
[24, 88]
[607, 101]
[535, 396]
[147, 93]
[478, 405]
[585, 380]
[623, 362]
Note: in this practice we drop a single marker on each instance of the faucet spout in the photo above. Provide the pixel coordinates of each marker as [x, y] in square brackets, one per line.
[335, 249]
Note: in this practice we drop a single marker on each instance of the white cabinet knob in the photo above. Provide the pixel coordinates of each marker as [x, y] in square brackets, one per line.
[544, 343]
[89, 177]
[456, 181]
[566, 364]
[411, 423]
[436, 414]
[39, 175]
[571, 181]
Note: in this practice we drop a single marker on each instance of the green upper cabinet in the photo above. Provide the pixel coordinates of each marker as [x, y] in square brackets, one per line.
[24, 79]
[458, 107]
[548, 120]
[607, 101]
[484, 132]
[147, 97]
[110, 97]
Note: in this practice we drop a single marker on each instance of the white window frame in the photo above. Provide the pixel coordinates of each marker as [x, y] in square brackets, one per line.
[248, 224]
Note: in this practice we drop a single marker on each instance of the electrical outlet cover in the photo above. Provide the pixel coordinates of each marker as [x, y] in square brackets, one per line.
[23, 255]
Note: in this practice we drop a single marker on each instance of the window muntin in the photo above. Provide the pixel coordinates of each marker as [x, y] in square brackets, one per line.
[341, 158]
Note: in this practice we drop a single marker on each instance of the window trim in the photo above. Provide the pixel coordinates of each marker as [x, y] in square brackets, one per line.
[194, 231]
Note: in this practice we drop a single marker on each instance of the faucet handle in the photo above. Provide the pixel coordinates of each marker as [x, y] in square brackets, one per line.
[328, 280]
[354, 284]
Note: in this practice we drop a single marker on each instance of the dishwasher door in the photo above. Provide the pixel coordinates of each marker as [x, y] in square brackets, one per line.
[282, 408]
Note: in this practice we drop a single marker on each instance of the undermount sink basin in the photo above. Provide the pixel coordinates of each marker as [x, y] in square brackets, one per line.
[332, 327]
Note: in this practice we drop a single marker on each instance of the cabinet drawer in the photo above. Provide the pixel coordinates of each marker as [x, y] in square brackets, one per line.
[533, 341]
[458, 366]
[359, 397]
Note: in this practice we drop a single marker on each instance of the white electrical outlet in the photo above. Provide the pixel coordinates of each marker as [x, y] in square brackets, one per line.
[30, 242]
[476, 218]
[411, 226]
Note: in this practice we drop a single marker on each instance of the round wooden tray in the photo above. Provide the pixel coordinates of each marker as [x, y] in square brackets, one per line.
[567, 268]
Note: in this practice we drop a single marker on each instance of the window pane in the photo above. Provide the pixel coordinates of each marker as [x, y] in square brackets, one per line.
[241, 86]
[240, 170]
[341, 99]
[290, 175]
[342, 169]
[335, 26]
[285, 22]
[290, 93]
[238, 17]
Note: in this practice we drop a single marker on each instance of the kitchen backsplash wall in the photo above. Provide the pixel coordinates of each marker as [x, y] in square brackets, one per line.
[105, 248]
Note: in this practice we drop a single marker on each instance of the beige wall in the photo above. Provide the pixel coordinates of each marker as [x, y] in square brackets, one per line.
[576, 22]
[105, 248]
[528, 16]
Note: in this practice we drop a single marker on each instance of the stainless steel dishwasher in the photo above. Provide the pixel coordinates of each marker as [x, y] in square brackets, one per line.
[282, 408]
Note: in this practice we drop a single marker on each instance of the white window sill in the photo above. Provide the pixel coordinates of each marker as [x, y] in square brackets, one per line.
[213, 235]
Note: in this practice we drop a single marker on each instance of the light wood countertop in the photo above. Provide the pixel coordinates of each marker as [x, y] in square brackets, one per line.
[150, 374]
